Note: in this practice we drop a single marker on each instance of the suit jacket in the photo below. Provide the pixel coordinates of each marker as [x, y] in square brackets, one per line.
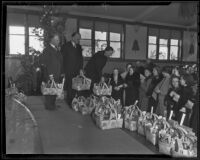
[95, 66]
[52, 61]
[72, 59]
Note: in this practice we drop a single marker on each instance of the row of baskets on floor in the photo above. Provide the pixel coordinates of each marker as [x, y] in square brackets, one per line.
[170, 137]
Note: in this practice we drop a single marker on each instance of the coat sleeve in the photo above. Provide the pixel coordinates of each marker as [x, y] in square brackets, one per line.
[43, 60]
[99, 66]
[81, 57]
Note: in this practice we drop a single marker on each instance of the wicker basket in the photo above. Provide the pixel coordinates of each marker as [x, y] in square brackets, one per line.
[112, 122]
[102, 89]
[12, 90]
[141, 124]
[54, 89]
[75, 104]
[165, 148]
[165, 144]
[130, 121]
[181, 151]
[152, 132]
[80, 83]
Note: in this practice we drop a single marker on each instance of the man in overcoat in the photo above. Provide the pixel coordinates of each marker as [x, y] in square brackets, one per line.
[72, 63]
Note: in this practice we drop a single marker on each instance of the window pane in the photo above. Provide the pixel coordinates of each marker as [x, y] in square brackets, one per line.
[85, 42]
[87, 51]
[152, 39]
[17, 44]
[35, 43]
[100, 45]
[163, 50]
[173, 53]
[163, 41]
[100, 35]
[117, 49]
[152, 51]
[36, 31]
[17, 30]
[114, 36]
[86, 33]
[174, 42]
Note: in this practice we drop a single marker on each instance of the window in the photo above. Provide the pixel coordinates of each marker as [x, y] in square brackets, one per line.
[85, 29]
[115, 42]
[16, 40]
[163, 49]
[152, 47]
[36, 38]
[102, 34]
[174, 47]
[164, 44]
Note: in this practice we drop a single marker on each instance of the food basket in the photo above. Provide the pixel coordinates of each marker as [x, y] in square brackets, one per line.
[52, 88]
[102, 89]
[166, 142]
[152, 131]
[81, 83]
[185, 144]
[141, 123]
[12, 90]
[131, 117]
[78, 103]
[106, 117]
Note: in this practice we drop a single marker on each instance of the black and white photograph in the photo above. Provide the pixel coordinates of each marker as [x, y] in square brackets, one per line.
[99, 79]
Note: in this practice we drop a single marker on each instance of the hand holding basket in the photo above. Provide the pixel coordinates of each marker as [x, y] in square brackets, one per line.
[51, 88]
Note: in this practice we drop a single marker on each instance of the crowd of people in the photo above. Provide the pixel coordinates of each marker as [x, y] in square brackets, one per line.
[165, 89]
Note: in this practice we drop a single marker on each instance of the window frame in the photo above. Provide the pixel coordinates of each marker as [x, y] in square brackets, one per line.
[24, 35]
[107, 36]
[33, 36]
[180, 48]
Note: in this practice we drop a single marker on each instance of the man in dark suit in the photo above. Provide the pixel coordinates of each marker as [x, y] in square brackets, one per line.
[72, 62]
[96, 64]
[51, 60]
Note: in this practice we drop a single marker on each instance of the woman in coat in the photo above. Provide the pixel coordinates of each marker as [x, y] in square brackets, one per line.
[186, 82]
[132, 83]
[161, 91]
[117, 85]
[144, 85]
[157, 77]
[172, 98]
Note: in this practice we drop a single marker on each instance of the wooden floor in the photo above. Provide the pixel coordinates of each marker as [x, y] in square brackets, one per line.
[65, 131]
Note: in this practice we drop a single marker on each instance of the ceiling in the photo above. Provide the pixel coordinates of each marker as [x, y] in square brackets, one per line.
[152, 14]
